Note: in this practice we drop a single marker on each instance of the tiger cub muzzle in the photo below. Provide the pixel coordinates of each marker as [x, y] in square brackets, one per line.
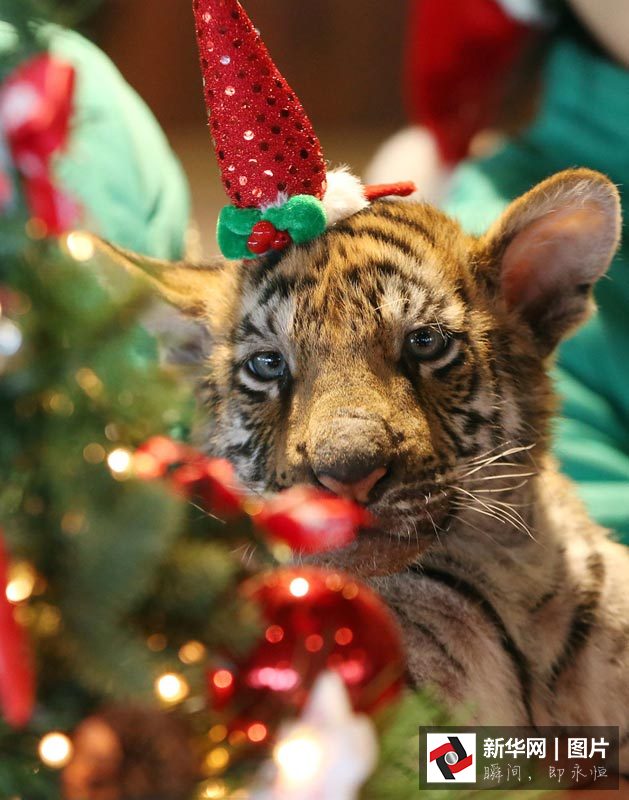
[351, 453]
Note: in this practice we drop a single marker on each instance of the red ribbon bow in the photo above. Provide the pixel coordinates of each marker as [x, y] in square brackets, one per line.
[36, 104]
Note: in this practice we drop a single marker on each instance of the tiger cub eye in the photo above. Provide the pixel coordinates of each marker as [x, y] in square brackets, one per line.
[427, 343]
[268, 366]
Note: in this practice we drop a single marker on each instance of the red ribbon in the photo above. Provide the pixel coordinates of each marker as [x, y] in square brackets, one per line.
[16, 672]
[36, 104]
[376, 191]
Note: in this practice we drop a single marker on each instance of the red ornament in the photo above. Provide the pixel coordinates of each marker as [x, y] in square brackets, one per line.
[17, 690]
[213, 482]
[36, 104]
[303, 517]
[158, 455]
[314, 620]
[265, 144]
[310, 520]
[210, 480]
[262, 236]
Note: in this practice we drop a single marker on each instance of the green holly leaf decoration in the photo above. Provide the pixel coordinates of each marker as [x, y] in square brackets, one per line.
[303, 216]
[234, 229]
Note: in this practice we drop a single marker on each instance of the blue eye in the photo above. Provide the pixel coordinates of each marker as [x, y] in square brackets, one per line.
[427, 343]
[267, 366]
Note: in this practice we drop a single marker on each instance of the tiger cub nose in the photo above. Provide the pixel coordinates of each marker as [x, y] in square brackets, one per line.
[358, 490]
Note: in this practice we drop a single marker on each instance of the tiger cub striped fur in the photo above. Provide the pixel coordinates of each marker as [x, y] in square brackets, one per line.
[402, 362]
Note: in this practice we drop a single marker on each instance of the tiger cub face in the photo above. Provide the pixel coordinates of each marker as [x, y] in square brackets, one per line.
[387, 359]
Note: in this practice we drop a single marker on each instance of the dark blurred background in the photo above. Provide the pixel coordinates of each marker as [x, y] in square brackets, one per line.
[342, 57]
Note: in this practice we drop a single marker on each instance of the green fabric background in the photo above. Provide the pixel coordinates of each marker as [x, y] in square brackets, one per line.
[584, 121]
[118, 165]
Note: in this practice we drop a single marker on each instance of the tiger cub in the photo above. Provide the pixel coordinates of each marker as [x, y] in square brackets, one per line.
[400, 362]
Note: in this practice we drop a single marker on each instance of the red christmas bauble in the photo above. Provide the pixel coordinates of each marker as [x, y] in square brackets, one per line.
[158, 455]
[311, 520]
[212, 481]
[314, 620]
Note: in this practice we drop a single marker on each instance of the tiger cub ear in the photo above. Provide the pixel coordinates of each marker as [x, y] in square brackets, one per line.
[551, 246]
[199, 291]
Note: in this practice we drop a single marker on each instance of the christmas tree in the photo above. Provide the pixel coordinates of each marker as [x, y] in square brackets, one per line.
[151, 642]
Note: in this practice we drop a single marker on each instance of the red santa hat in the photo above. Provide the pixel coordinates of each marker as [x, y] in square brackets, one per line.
[271, 162]
[460, 55]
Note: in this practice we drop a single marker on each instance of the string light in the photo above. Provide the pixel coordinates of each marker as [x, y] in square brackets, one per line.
[334, 582]
[218, 733]
[10, 338]
[48, 620]
[299, 758]
[22, 579]
[274, 634]
[80, 245]
[314, 643]
[350, 590]
[212, 790]
[112, 432]
[237, 738]
[171, 688]
[217, 759]
[192, 653]
[120, 461]
[59, 403]
[35, 228]
[222, 679]
[343, 636]
[55, 750]
[94, 453]
[89, 381]
[73, 522]
[157, 642]
[25, 615]
[299, 587]
[257, 732]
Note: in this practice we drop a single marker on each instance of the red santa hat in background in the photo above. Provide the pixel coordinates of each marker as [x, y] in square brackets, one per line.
[460, 55]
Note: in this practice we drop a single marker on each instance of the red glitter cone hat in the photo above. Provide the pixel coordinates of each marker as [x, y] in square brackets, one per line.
[270, 159]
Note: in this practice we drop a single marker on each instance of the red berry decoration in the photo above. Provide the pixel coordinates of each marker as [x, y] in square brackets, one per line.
[314, 620]
[262, 237]
[310, 520]
[282, 240]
